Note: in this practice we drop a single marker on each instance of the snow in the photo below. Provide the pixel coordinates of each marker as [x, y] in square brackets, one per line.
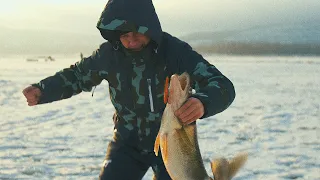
[275, 118]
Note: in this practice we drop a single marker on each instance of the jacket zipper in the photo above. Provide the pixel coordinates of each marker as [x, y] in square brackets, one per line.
[130, 85]
[150, 95]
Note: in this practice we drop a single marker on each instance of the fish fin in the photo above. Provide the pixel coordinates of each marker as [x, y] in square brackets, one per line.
[157, 145]
[223, 169]
[166, 91]
[220, 168]
[236, 163]
[164, 148]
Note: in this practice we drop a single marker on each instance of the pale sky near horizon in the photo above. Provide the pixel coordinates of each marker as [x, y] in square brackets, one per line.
[176, 16]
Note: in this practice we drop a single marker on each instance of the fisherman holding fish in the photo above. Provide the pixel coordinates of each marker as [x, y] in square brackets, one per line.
[138, 60]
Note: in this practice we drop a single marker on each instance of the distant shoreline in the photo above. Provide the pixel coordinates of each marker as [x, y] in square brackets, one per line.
[260, 49]
[223, 48]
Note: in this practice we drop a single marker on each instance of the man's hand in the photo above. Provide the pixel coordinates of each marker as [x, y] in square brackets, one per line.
[190, 111]
[32, 95]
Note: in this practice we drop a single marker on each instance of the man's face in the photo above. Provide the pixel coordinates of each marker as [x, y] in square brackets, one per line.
[134, 41]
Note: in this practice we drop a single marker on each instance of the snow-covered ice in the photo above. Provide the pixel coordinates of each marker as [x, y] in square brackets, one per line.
[275, 118]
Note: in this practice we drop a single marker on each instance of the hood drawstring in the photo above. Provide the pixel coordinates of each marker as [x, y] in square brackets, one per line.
[93, 90]
[156, 50]
[116, 46]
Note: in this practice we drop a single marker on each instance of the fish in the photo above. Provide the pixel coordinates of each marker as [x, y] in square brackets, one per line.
[179, 145]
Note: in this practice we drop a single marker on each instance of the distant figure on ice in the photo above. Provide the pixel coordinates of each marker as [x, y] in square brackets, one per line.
[81, 56]
[136, 60]
[44, 58]
[49, 58]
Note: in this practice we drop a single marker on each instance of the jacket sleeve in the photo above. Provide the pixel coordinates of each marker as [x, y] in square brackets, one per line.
[81, 76]
[213, 89]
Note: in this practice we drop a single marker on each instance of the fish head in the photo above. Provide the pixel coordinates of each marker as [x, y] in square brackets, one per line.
[179, 89]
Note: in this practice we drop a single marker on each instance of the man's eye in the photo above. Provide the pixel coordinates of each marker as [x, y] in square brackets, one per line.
[124, 36]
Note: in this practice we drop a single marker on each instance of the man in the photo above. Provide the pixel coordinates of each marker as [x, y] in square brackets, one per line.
[136, 60]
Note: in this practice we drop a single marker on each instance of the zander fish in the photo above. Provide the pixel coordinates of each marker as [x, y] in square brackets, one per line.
[179, 143]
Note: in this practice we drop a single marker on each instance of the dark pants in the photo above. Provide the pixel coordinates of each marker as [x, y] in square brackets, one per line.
[127, 163]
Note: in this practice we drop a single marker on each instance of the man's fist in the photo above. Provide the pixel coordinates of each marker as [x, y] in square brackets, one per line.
[190, 111]
[32, 95]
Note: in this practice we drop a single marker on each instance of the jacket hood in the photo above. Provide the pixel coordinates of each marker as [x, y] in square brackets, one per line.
[129, 15]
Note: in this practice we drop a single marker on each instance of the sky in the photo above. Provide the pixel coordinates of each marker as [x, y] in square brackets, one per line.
[178, 16]
[63, 26]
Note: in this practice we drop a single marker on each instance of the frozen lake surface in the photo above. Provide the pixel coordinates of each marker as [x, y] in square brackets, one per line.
[275, 118]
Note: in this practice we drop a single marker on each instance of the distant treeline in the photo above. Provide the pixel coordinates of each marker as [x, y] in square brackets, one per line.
[236, 48]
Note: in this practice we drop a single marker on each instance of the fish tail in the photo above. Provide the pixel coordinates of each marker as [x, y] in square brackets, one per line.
[224, 169]
[236, 163]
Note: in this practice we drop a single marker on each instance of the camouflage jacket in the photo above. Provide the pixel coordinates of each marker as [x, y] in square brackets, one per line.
[136, 80]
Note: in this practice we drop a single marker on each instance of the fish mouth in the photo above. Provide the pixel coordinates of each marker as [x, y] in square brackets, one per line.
[179, 87]
[184, 81]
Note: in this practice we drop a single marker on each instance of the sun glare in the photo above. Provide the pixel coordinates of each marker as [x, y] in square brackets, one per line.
[6, 8]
